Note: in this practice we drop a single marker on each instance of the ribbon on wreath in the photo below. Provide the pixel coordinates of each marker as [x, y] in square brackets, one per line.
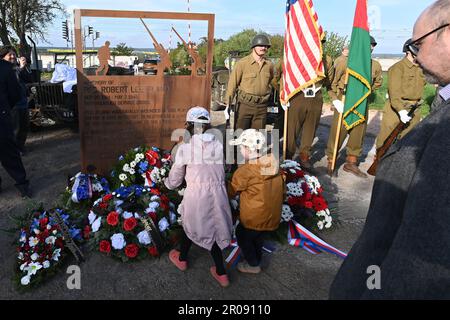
[82, 188]
[299, 236]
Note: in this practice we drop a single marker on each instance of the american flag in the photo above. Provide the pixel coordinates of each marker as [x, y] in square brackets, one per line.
[302, 64]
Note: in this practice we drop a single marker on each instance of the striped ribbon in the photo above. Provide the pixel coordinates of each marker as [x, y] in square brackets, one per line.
[235, 255]
[299, 236]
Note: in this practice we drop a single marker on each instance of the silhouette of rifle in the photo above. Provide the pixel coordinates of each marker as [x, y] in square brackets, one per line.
[198, 63]
[165, 62]
[381, 151]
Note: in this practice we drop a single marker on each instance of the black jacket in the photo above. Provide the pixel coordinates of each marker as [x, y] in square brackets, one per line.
[10, 91]
[407, 231]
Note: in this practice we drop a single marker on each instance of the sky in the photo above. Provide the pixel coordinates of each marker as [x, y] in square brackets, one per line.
[391, 20]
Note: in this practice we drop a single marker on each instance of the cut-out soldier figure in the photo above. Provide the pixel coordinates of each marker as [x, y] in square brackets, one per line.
[197, 63]
[406, 84]
[165, 62]
[104, 54]
[356, 134]
[251, 79]
[304, 113]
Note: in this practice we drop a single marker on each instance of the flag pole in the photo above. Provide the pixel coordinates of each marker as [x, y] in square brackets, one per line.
[285, 132]
[338, 131]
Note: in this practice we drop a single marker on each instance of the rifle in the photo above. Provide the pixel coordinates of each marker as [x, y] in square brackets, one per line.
[381, 151]
[164, 56]
[197, 60]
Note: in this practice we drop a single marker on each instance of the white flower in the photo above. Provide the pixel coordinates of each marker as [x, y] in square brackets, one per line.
[46, 264]
[181, 192]
[328, 225]
[155, 175]
[321, 213]
[36, 231]
[55, 232]
[49, 227]
[34, 267]
[118, 203]
[126, 167]
[286, 213]
[287, 164]
[173, 217]
[34, 256]
[20, 257]
[320, 225]
[118, 241]
[153, 205]
[163, 224]
[144, 238]
[96, 202]
[132, 172]
[92, 216]
[97, 187]
[294, 189]
[136, 215]
[50, 240]
[154, 198]
[33, 241]
[163, 172]
[56, 254]
[127, 215]
[96, 224]
[25, 280]
[132, 164]
[122, 177]
[24, 267]
[313, 184]
[149, 210]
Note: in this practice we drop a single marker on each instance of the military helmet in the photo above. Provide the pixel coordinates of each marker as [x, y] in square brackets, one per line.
[261, 40]
[406, 45]
[373, 41]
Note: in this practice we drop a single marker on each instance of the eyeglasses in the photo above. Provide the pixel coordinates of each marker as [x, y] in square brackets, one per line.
[414, 46]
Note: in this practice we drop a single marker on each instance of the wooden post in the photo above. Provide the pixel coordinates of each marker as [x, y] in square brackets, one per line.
[338, 131]
[285, 132]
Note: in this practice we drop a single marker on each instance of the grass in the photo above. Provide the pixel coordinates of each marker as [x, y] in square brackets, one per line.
[378, 98]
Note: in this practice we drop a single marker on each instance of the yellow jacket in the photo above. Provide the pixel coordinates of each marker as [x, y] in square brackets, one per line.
[261, 187]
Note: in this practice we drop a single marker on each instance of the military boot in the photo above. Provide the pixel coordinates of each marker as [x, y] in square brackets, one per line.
[352, 167]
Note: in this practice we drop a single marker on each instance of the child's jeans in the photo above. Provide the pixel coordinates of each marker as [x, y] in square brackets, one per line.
[216, 253]
[251, 244]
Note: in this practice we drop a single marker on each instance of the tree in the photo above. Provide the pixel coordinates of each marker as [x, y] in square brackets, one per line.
[122, 50]
[334, 44]
[26, 17]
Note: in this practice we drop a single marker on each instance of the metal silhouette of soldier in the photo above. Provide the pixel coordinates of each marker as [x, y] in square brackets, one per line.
[104, 54]
[197, 62]
[165, 62]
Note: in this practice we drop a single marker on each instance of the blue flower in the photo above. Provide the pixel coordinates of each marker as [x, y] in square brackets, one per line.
[75, 233]
[143, 166]
[155, 149]
[121, 158]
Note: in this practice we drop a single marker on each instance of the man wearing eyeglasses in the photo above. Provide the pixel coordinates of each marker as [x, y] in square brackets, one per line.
[406, 84]
[406, 239]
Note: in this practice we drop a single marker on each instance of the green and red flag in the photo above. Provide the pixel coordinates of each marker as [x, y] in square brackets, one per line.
[359, 69]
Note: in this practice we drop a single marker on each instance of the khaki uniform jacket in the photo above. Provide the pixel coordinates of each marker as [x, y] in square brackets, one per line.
[261, 187]
[340, 68]
[406, 83]
[326, 82]
[248, 76]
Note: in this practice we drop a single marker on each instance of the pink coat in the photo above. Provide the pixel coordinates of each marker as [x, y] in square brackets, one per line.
[205, 209]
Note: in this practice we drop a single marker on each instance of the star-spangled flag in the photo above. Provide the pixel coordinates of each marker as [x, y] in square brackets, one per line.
[302, 64]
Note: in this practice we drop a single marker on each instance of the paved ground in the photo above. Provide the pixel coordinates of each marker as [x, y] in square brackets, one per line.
[289, 273]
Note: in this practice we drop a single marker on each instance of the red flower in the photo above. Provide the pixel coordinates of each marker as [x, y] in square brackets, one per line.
[131, 250]
[295, 201]
[153, 216]
[86, 232]
[113, 218]
[105, 246]
[129, 224]
[152, 157]
[107, 197]
[299, 174]
[103, 205]
[308, 204]
[319, 204]
[59, 243]
[43, 222]
[155, 191]
[153, 251]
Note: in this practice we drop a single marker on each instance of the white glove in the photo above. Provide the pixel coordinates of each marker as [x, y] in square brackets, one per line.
[404, 116]
[338, 105]
[226, 113]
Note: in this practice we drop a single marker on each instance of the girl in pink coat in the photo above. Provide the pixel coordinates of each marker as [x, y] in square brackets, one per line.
[205, 210]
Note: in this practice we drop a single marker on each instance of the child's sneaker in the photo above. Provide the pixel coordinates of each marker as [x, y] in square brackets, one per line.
[223, 279]
[174, 257]
[246, 268]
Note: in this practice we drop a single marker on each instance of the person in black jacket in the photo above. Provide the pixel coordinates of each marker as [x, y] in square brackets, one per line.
[404, 249]
[10, 94]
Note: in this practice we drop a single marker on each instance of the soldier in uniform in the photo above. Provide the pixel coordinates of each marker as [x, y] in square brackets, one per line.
[251, 78]
[304, 113]
[356, 134]
[406, 84]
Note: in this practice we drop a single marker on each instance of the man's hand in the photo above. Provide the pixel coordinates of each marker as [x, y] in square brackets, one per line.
[22, 62]
[338, 105]
[404, 116]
